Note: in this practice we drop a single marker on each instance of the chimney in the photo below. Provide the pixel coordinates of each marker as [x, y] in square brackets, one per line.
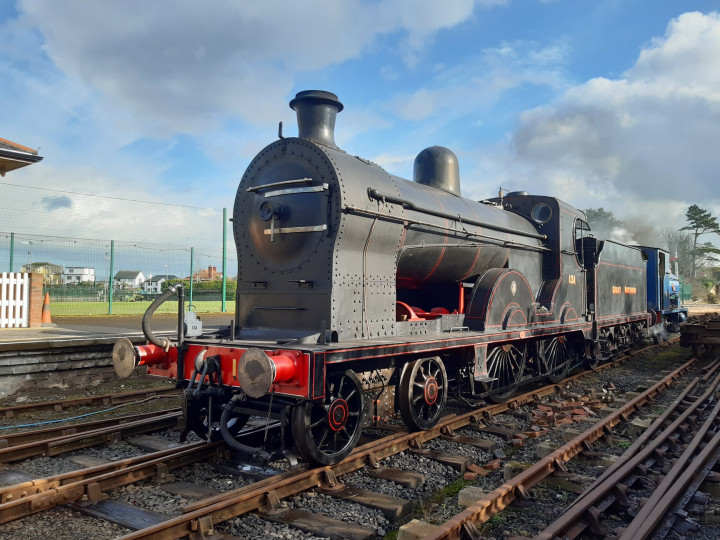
[316, 111]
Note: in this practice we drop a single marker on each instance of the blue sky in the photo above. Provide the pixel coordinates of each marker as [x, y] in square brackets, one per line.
[601, 103]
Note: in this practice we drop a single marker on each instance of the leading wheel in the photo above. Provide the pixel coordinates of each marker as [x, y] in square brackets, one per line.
[505, 364]
[423, 393]
[556, 355]
[326, 431]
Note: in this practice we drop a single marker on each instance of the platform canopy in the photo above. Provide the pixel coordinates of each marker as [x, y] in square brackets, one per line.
[14, 155]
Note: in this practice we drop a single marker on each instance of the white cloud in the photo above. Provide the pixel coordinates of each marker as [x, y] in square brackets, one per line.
[394, 161]
[479, 81]
[113, 208]
[647, 137]
[181, 65]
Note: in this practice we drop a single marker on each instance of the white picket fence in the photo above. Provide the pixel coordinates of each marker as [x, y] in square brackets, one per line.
[14, 299]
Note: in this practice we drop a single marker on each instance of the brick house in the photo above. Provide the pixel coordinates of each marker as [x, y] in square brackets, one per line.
[210, 274]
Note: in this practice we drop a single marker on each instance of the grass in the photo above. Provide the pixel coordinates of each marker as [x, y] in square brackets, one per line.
[497, 519]
[624, 444]
[437, 503]
[130, 308]
[450, 490]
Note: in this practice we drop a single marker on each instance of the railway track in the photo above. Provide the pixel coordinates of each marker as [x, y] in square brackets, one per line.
[587, 509]
[24, 437]
[691, 438]
[9, 413]
[267, 496]
[55, 441]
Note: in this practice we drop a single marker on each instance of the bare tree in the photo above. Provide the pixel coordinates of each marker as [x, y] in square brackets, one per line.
[679, 244]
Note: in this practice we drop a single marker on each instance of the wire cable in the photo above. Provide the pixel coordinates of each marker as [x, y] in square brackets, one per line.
[84, 415]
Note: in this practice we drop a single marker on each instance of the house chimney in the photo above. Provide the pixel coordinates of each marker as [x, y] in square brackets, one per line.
[316, 111]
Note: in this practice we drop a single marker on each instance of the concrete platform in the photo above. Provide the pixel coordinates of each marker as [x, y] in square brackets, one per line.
[77, 351]
[94, 329]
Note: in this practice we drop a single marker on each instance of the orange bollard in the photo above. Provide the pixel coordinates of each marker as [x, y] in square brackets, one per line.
[46, 317]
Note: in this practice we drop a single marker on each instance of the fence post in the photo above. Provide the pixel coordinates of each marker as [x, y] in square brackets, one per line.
[192, 254]
[110, 278]
[224, 260]
[12, 250]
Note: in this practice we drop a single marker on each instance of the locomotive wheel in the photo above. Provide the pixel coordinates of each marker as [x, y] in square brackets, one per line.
[423, 393]
[556, 356]
[505, 364]
[326, 431]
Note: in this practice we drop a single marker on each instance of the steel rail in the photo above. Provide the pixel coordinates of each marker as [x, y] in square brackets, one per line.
[394, 444]
[107, 399]
[44, 493]
[29, 436]
[446, 425]
[591, 497]
[91, 483]
[39, 485]
[649, 432]
[200, 516]
[66, 443]
[673, 514]
[500, 498]
[711, 369]
[676, 481]
[639, 442]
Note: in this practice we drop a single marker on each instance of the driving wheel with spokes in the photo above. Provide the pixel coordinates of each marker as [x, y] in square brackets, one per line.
[505, 364]
[557, 355]
[326, 431]
[423, 393]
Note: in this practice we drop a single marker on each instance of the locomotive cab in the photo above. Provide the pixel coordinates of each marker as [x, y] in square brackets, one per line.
[663, 289]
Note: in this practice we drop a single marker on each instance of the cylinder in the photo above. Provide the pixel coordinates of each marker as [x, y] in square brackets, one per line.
[150, 354]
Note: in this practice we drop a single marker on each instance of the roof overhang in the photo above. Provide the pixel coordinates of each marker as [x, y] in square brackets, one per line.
[11, 160]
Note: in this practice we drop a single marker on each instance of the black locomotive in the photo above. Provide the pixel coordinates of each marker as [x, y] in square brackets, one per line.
[361, 293]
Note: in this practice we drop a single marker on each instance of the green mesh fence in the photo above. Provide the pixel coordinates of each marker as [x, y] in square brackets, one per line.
[685, 292]
[94, 277]
[117, 274]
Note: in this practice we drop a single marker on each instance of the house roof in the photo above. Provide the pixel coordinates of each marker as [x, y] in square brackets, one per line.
[127, 274]
[14, 155]
[163, 277]
[50, 266]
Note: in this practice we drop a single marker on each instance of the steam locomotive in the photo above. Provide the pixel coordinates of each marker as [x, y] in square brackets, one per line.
[361, 294]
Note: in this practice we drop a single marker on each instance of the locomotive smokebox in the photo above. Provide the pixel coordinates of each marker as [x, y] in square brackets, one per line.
[438, 167]
[316, 111]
